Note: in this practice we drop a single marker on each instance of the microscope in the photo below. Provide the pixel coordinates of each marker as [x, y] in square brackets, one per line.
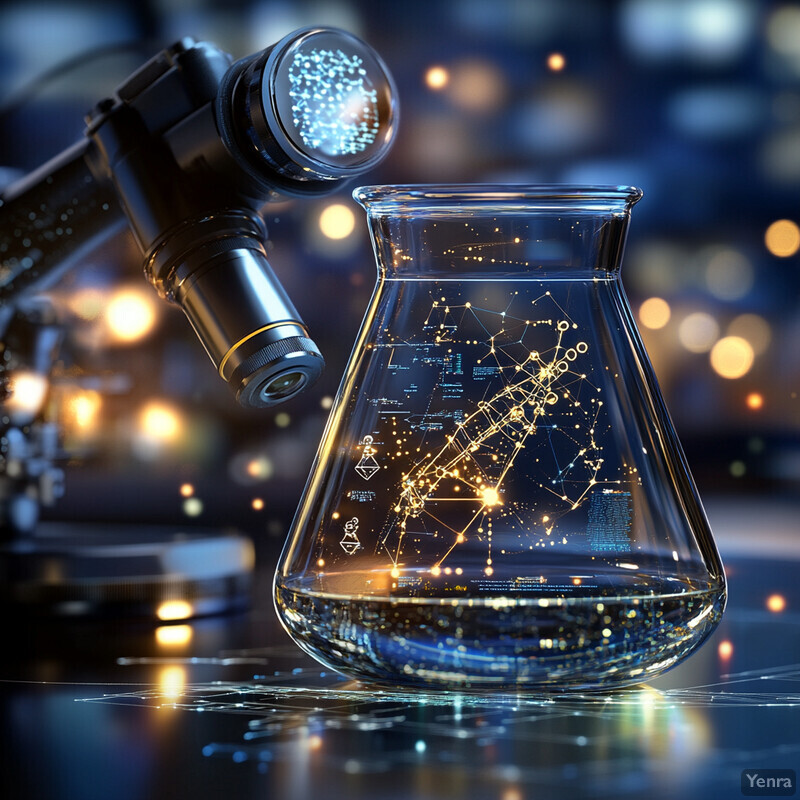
[185, 155]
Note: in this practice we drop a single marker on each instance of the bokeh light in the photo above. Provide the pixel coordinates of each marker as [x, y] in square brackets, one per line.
[732, 357]
[28, 392]
[337, 221]
[193, 506]
[259, 468]
[173, 635]
[160, 422]
[187, 490]
[131, 314]
[698, 331]
[477, 86]
[703, 31]
[737, 468]
[563, 117]
[755, 401]
[87, 303]
[782, 238]
[776, 603]
[81, 408]
[174, 609]
[754, 328]
[729, 275]
[437, 78]
[556, 62]
[783, 31]
[654, 313]
[725, 649]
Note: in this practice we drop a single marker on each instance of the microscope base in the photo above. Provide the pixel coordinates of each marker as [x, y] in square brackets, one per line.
[84, 570]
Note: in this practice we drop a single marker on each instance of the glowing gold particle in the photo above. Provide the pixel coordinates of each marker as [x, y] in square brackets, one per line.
[490, 497]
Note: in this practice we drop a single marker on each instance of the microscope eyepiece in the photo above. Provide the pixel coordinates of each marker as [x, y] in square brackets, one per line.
[320, 105]
[195, 146]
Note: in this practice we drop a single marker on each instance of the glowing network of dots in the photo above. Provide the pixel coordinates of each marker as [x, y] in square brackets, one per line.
[509, 440]
[334, 108]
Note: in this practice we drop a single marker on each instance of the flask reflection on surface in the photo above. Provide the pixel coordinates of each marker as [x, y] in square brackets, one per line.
[500, 498]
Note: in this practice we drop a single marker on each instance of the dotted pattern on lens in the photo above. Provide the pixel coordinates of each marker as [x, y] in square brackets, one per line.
[334, 109]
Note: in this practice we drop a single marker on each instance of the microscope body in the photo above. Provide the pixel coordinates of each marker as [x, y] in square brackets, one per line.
[194, 209]
[185, 154]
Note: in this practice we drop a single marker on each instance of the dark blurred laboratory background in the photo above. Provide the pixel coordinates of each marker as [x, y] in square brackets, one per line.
[695, 101]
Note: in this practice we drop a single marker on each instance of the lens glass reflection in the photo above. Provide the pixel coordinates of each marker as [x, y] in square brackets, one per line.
[333, 98]
[283, 385]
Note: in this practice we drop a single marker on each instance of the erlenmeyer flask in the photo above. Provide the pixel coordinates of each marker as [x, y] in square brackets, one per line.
[499, 498]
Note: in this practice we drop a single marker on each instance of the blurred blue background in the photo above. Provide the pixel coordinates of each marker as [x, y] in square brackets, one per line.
[698, 103]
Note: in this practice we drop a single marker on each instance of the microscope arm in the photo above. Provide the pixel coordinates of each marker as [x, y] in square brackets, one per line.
[186, 153]
[52, 219]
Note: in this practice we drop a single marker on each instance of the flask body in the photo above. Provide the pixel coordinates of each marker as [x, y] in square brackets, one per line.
[499, 499]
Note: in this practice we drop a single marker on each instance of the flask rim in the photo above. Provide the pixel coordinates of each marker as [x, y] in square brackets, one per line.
[509, 195]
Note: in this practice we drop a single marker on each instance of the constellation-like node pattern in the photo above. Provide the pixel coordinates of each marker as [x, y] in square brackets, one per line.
[491, 431]
[333, 106]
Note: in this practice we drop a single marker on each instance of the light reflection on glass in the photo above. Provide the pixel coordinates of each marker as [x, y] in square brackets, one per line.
[172, 681]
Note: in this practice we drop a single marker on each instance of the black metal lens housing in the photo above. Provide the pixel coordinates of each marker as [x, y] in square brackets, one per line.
[243, 316]
[320, 105]
[196, 146]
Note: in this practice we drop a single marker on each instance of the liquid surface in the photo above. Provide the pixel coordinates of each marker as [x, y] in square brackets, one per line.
[569, 642]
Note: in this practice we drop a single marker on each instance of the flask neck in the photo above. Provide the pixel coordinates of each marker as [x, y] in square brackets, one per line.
[498, 233]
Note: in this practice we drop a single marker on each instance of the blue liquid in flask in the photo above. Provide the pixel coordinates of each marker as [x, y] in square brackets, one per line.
[499, 500]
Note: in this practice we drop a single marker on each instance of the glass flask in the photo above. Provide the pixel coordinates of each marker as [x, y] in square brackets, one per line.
[499, 498]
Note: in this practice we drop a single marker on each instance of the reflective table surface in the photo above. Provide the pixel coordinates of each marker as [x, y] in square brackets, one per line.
[228, 707]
